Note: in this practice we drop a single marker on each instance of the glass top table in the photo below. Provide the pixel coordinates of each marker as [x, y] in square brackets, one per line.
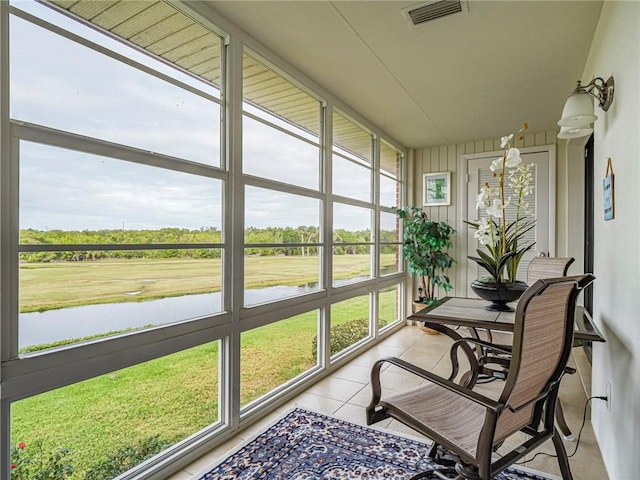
[471, 312]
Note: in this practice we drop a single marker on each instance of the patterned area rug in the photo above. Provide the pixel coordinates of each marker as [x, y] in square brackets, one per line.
[305, 445]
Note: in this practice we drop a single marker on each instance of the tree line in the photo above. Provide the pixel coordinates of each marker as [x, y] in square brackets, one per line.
[347, 242]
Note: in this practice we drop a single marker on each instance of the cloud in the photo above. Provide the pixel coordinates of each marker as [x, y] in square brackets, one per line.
[62, 189]
[60, 84]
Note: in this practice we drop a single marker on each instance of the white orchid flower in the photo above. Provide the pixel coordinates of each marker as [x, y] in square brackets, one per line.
[505, 140]
[495, 210]
[483, 237]
[486, 196]
[484, 233]
[513, 158]
[496, 165]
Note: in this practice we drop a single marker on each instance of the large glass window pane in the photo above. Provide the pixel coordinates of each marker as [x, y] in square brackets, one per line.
[351, 263]
[113, 422]
[389, 227]
[71, 296]
[285, 145]
[72, 191]
[272, 219]
[71, 87]
[271, 96]
[280, 273]
[275, 354]
[351, 179]
[351, 139]
[351, 244]
[272, 209]
[390, 259]
[349, 323]
[390, 160]
[389, 192]
[389, 301]
[272, 153]
[351, 224]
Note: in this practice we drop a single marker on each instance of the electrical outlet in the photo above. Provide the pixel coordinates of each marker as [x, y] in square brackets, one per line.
[608, 393]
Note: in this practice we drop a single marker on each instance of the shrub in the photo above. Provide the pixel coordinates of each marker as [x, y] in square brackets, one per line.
[346, 334]
[32, 462]
[126, 458]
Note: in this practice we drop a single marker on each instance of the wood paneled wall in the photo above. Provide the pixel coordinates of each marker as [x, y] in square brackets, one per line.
[449, 158]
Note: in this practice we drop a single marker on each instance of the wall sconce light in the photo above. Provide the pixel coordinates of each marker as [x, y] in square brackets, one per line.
[577, 114]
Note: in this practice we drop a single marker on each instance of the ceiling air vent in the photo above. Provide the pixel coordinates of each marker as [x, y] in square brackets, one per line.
[425, 12]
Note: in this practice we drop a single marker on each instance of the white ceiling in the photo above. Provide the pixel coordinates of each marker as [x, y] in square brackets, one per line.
[473, 75]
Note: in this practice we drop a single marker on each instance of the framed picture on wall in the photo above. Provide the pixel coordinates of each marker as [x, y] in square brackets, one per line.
[436, 189]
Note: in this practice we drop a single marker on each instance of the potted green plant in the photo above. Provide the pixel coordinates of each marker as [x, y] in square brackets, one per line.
[425, 246]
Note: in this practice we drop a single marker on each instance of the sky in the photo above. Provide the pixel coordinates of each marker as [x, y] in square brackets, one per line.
[63, 85]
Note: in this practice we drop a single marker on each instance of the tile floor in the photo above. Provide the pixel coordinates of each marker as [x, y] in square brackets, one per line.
[345, 393]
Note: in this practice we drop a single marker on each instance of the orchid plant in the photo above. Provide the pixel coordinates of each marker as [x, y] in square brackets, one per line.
[503, 237]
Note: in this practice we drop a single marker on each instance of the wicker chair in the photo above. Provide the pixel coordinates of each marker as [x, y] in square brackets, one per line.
[468, 426]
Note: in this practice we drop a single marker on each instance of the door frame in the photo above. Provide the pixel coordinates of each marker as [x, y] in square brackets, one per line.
[462, 208]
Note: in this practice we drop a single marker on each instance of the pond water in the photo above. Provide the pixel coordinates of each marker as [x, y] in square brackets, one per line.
[76, 322]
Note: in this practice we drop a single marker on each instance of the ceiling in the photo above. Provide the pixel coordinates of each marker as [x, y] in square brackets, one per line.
[472, 75]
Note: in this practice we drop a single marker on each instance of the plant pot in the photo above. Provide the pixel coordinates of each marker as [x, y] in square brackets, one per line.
[417, 306]
[499, 294]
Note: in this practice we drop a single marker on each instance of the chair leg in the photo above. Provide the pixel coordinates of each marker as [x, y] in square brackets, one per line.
[563, 460]
[562, 423]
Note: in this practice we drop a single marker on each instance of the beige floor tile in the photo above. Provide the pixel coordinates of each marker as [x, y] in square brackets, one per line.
[368, 358]
[403, 338]
[362, 398]
[423, 358]
[336, 388]
[352, 413]
[354, 373]
[316, 403]
[346, 393]
[399, 380]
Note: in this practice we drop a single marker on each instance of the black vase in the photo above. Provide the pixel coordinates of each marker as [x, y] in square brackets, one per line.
[499, 294]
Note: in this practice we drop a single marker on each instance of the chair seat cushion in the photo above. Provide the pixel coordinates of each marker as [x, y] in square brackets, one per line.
[441, 415]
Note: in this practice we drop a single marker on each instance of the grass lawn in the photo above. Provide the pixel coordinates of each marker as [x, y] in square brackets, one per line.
[173, 396]
[45, 286]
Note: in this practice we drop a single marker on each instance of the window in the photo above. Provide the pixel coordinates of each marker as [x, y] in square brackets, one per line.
[276, 354]
[281, 144]
[349, 323]
[389, 306]
[390, 199]
[274, 269]
[352, 219]
[143, 409]
[352, 245]
[352, 159]
[281, 138]
[81, 90]
[139, 244]
[118, 196]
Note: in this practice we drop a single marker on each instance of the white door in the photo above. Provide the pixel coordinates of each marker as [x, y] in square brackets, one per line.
[541, 200]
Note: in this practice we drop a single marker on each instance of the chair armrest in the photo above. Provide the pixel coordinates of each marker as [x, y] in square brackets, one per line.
[442, 382]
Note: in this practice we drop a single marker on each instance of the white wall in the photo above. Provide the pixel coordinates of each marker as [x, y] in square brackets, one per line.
[616, 51]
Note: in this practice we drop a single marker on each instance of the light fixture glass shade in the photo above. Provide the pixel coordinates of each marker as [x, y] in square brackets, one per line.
[578, 111]
[574, 132]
